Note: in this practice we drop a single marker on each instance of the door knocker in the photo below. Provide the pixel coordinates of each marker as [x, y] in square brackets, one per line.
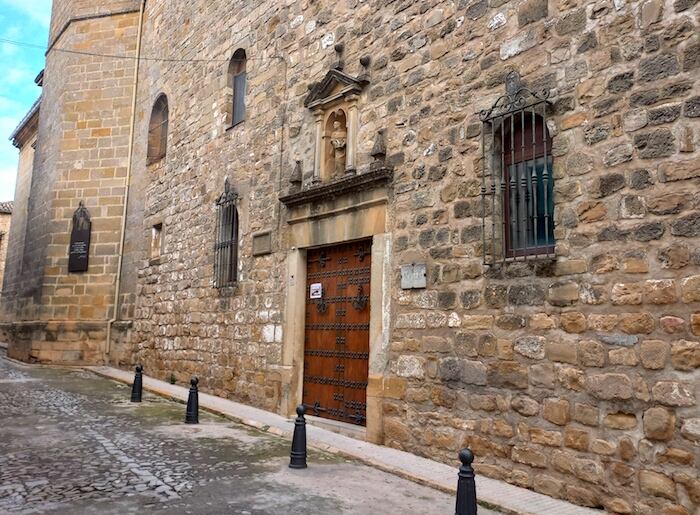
[321, 306]
[360, 301]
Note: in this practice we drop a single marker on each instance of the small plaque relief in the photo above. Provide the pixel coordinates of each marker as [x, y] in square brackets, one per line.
[79, 250]
[316, 291]
[262, 244]
[413, 276]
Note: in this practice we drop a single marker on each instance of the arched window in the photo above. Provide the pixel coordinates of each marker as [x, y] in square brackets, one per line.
[517, 183]
[237, 83]
[158, 131]
[226, 247]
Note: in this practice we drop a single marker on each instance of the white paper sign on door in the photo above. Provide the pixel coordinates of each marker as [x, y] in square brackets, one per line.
[316, 291]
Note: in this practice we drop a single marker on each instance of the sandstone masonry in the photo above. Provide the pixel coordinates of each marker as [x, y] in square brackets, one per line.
[576, 376]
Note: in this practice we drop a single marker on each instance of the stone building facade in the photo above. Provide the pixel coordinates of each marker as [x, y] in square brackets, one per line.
[373, 147]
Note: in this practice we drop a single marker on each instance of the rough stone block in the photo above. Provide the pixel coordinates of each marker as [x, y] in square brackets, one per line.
[673, 393]
[591, 353]
[530, 11]
[656, 484]
[685, 355]
[620, 421]
[690, 288]
[532, 347]
[610, 386]
[659, 424]
[525, 405]
[691, 429]
[508, 374]
[624, 294]
[544, 437]
[654, 354]
[586, 414]
[637, 323]
[557, 411]
[678, 171]
[529, 455]
[578, 439]
[563, 293]
[655, 143]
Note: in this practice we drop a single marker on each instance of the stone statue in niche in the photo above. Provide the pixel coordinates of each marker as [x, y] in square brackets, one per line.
[339, 141]
[336, 145]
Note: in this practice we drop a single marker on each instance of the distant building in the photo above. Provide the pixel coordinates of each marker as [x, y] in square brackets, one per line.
[445, 223]
[5, 218]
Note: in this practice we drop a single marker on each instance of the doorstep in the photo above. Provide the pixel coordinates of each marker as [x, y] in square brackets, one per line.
[491, 492]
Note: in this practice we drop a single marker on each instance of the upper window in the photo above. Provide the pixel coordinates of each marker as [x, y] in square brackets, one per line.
[517, 191]
[237, 84]
[158, 131]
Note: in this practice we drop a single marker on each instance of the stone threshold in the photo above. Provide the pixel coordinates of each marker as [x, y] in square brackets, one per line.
[492, 493]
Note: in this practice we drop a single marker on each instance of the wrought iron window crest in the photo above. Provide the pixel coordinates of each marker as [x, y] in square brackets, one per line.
[229, 196]
[517, 98]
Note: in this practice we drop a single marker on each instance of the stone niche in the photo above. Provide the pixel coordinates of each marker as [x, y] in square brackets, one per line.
[334, 103]
[338, 204]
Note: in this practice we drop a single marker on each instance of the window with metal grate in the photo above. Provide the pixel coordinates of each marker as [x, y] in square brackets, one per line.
[517, 182]
[226, 247]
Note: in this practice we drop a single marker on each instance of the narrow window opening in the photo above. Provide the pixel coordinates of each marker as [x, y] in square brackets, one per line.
[237, 83]
[156, 241]
[158, 131]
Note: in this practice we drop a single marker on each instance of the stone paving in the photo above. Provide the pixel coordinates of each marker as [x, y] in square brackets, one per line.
[70, 442]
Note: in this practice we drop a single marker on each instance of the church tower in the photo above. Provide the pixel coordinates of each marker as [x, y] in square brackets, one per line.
[54, 310]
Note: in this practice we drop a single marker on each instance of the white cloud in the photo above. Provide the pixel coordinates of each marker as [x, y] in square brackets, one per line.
[37, 10]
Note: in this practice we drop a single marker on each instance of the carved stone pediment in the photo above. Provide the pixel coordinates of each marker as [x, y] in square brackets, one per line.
[335, 86]
[345, 186]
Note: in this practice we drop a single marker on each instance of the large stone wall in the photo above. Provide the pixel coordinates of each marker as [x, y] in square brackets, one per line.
[56, 316]
[576, 377]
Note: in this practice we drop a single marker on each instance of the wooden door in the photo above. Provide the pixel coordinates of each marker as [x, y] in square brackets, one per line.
[336, 347]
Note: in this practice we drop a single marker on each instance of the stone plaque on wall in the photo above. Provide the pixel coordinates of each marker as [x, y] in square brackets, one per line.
[262, 244]
[79, 250]
[413, 277]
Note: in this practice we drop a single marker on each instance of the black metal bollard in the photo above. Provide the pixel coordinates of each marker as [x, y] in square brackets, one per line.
[137, 387]
[466, 486]
[298, 455]
[192, 415]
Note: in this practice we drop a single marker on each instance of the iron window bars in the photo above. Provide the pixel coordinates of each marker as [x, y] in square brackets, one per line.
[226, 247]
[517, 184]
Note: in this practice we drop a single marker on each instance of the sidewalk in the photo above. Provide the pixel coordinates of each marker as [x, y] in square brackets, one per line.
[493, 493]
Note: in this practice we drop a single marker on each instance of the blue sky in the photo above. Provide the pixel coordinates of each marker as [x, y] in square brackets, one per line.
[26, 21]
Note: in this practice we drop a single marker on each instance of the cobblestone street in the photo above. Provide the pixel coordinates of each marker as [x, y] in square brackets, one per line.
[73, 443]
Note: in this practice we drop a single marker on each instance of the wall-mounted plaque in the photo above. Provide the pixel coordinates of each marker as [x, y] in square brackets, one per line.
[79, 250]
[262, 244]
[413, 276]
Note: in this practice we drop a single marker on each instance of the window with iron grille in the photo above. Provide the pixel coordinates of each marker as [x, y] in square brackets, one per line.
[226, 247]
[158, 131]
[517, 182]
[237, 77]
